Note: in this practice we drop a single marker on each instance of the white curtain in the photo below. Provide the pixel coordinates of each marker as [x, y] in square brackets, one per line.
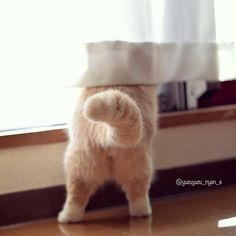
[103, 42]
[154, 41]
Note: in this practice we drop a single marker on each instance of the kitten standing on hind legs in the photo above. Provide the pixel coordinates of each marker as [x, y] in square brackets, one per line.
[111, 137]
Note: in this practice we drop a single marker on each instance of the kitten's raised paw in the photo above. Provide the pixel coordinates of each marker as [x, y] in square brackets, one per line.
[71, 213]
[140, 207]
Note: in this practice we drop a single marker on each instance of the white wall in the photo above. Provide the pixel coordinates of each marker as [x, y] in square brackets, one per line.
[33, 167]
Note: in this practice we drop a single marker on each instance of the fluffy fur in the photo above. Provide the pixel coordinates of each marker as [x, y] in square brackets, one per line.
[110, 139]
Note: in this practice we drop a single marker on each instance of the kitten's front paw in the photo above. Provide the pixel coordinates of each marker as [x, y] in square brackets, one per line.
[140, 207]
[71, 213]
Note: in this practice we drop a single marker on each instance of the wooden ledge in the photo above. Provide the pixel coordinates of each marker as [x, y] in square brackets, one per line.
[36, 136]
[56, 134]
[203, 115]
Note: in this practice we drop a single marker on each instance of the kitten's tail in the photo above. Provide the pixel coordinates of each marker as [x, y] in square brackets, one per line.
[121, 114]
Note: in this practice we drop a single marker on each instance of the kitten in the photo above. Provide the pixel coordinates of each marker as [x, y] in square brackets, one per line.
[110, 139]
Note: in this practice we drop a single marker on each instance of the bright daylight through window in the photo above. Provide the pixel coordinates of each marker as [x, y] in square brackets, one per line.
[38, 56]
[40, 51]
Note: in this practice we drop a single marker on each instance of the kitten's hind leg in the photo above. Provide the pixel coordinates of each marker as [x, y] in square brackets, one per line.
[78, 193]
[140, 207]
[135, 180]
[138, 198]
[78, 190]
[84, 174]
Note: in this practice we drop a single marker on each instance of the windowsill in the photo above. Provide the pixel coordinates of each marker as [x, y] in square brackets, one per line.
[35, 136]
[56, 134]
[219, 113]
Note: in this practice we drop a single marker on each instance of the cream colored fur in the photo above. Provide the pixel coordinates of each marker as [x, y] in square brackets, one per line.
[110, 139]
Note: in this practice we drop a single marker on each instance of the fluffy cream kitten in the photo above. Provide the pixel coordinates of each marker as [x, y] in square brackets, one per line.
[110, 139]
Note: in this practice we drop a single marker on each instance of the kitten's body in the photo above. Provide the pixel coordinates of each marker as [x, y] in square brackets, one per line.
[110, 139]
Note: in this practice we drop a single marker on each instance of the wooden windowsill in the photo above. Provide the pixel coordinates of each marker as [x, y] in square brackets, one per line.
[33, 137]
[166, 120]
[220, 113]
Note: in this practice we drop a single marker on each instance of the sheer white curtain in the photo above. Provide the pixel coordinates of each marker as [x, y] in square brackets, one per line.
[129, 41]
[154, 41]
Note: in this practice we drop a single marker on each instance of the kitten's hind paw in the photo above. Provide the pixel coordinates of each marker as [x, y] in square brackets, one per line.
[140, 207]
[71, 213]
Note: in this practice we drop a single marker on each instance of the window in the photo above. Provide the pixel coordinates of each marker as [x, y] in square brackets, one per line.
[39, 54]
[30, 107]
[38, 58]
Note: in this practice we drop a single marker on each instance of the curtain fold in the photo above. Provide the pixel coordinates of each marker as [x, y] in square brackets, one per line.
[119, 62]
[155, 41]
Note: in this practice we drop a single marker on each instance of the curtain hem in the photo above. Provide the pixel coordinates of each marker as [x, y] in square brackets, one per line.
[126, 63]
